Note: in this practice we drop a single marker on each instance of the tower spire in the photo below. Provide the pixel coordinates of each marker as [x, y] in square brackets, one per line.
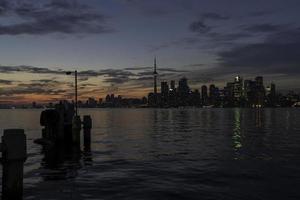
[155, 65]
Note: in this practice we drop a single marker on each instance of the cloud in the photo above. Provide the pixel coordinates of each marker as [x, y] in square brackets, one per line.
[214, 16]
[29, 69]
[30, 90]
[54, 16]
[185, 42]
[279, 53]
[138, 68]
[264, 28]
[199, 27]
[114, 77]
[3, 7]
[172, 70]
[259, 13]
[6, 82]
[117, 80]
[45, 81]
[157, 8]
[195, 65]
[227, 37]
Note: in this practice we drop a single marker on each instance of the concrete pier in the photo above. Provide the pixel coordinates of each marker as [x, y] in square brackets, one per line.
[14, 154]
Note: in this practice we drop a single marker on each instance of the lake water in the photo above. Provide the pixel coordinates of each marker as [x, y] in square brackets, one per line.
[168, 154]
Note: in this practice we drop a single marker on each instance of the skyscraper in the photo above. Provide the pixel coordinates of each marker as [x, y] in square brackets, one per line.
[183, 91]
[164, 93]
[238, 88]
[259, 81]
[259, 91]
[164, 88]
[172, 85]
[204, 94]
[155, 81]
[183, 86]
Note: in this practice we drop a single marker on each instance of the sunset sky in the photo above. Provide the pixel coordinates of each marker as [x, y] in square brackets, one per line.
[112, 43]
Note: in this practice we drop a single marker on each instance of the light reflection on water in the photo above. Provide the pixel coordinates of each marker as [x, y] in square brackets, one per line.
[168, 154]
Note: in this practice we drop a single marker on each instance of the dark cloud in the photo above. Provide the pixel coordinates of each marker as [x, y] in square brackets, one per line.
[259, 13]
[199, 27]
[106, 72]
[6, 82]
[66, 16]
[214, 16]
[183, 42]
[279, 53]
[30, 90]
[138, 68]
[145, 73]
[195, 65]
[45, 81]
[156, 8]
[29, 69]
[217, 37]
[172, 70]
[117, 80]
[264, 28]
[145, 78]
[4, 5]
[87, 85]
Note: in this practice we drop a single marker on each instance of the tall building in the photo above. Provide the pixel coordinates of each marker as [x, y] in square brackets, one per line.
[214, 95]
[273, 90]
[238, 88]
[183, 91]
[164, 88]
[259, 91]
[195, 98]
[183, 86]
[204, 95]
[172, 85]
[271, 95]
[172, 94]
[249, 92]
[164, 92]
[259, 81]
[229, 94]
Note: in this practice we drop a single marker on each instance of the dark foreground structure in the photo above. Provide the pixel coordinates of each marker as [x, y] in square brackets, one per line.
[61, 134]
[63, 126]
[14, 154]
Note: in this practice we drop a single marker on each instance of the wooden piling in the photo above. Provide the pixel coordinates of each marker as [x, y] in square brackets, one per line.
[76, 128]
[87, 126]
[14, 155]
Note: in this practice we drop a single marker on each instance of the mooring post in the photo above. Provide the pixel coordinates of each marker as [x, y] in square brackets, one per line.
[87, 126]
[76, 127]
[13, 157]
[60, 131]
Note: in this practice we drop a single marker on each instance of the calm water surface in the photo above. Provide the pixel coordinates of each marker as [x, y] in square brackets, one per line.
[168, 154]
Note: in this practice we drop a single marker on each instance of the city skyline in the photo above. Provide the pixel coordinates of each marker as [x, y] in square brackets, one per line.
[239, 92]
[112, 45]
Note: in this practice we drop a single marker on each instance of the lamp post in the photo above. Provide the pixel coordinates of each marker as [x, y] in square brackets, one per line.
[76, 92]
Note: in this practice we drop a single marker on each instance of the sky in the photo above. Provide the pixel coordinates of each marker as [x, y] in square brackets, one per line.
[112, 44]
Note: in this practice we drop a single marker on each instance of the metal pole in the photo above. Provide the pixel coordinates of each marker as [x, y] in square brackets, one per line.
[76, 104]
